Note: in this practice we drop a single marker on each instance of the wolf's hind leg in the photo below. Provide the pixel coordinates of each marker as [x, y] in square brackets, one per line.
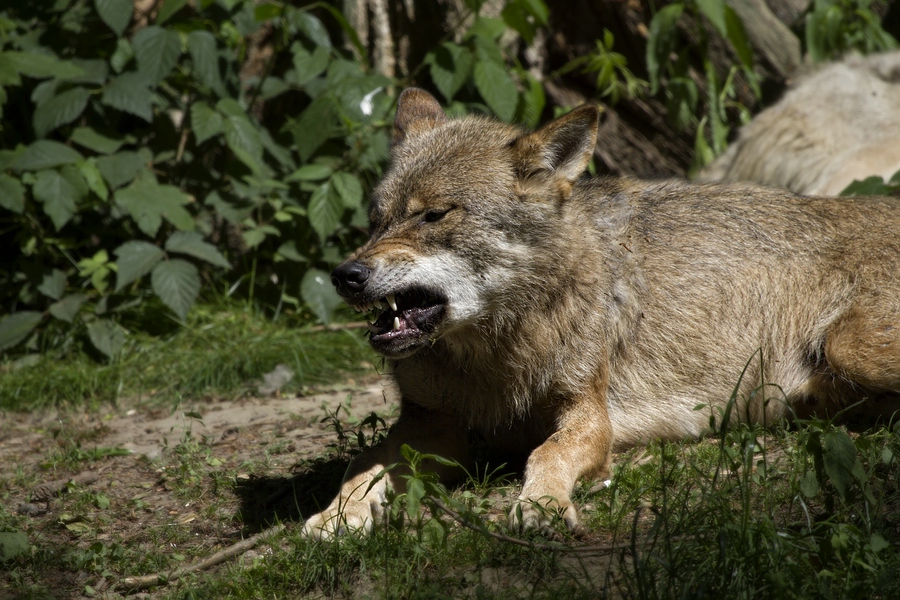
[864, 347]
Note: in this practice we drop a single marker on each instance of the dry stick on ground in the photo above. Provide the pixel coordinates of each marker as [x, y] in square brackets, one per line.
[48, 490]
[600, 549]
[145, 581]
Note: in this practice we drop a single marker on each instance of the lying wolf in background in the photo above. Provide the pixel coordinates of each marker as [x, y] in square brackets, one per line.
[573, 317]
[836, 125]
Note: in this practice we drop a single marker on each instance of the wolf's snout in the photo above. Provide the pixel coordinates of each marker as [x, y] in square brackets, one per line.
[350, 278]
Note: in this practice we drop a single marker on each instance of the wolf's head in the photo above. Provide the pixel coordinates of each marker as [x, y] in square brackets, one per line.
[460, 221]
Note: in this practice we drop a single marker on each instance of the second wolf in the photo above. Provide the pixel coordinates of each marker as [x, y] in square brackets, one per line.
[570, 317]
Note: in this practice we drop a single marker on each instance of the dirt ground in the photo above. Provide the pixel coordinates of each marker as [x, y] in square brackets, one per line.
[152, 478]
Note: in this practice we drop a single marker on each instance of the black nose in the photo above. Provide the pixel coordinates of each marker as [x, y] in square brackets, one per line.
[350, 278]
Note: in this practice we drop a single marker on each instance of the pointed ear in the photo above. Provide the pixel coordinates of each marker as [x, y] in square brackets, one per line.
[417, 110]
[561, 148]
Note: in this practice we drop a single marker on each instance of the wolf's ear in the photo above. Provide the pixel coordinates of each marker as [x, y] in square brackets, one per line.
[562, 148]
[417, 110]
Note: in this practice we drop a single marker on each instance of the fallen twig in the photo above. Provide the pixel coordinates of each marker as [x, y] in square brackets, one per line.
[145, 581]
[48, 490]
[598, 549]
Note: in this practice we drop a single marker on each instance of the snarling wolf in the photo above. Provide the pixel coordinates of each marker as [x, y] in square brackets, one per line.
[837, 124]
[571, 317]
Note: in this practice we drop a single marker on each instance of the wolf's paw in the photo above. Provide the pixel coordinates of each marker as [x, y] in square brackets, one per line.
[539, 515]
[351, 517]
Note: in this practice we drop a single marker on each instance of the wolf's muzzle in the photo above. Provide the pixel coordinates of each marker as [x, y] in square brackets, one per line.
[350, 278]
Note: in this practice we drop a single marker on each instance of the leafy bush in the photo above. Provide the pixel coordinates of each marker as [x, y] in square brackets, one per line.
[223, 146]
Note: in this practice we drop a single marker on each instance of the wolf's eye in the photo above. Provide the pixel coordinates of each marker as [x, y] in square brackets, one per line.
[432, 216]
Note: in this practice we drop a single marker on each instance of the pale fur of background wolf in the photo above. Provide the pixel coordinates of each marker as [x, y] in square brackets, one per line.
[837, 124]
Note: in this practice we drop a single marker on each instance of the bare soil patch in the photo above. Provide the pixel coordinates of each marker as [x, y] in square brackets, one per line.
[166, 486]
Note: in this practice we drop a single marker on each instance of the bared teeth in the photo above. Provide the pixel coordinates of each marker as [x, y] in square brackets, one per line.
[396, 323]
[392, 301]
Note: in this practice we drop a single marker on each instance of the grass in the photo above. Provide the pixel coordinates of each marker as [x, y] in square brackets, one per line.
[221, 350]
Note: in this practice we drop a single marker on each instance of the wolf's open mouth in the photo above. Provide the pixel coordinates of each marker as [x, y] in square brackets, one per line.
[404, 316]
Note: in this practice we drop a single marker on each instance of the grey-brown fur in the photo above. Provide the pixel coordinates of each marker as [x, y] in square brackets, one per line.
[588, 315]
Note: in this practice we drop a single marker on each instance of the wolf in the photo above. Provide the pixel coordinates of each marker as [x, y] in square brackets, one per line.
[837, 124]
[570, 317]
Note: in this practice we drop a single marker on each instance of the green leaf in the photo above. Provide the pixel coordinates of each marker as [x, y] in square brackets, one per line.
[148, 202]
[308, 65]
[205, 122]
[714, 10]
[325, 210]
[156, 50]
[809, 484]
[312, 28]
[9, 74]
[839, 459]
[531, 103]
[314, 127]
[517, 17]
[497, 89]
[348, 188]
[169, 8]
[870, 186]
[243, 139]
[131, 93]
[134, 260]
[67, 308]
[177, 283]
[661, 41]
[107, 336]
[12, 544]
[53, 284]
[191, 243]
[319, 294]
[121, 168]
[59, 193]
[16, 327]
[415, 491]
[115, 13]
[40, 65]
[451, 66]
[95, 70]
[122, 56]
[205, 58]
[90, 139]
[93, 178]
[489, 27]
[12, 194]
[233, 210]
[44, 154]
[310, 172]
[737, 35]
[59, 110]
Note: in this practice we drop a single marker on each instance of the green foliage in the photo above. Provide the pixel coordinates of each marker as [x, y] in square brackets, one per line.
[614, 79]
[836, 27]
[167, 159]
[874, 186]
[710, 17]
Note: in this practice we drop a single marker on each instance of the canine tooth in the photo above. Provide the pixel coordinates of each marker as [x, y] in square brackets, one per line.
[392, 301]
[396, 323]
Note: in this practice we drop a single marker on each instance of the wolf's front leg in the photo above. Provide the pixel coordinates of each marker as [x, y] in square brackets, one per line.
[357, 506]
[580, 446]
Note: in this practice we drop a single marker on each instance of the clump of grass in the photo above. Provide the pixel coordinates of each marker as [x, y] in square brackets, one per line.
[223, 349]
